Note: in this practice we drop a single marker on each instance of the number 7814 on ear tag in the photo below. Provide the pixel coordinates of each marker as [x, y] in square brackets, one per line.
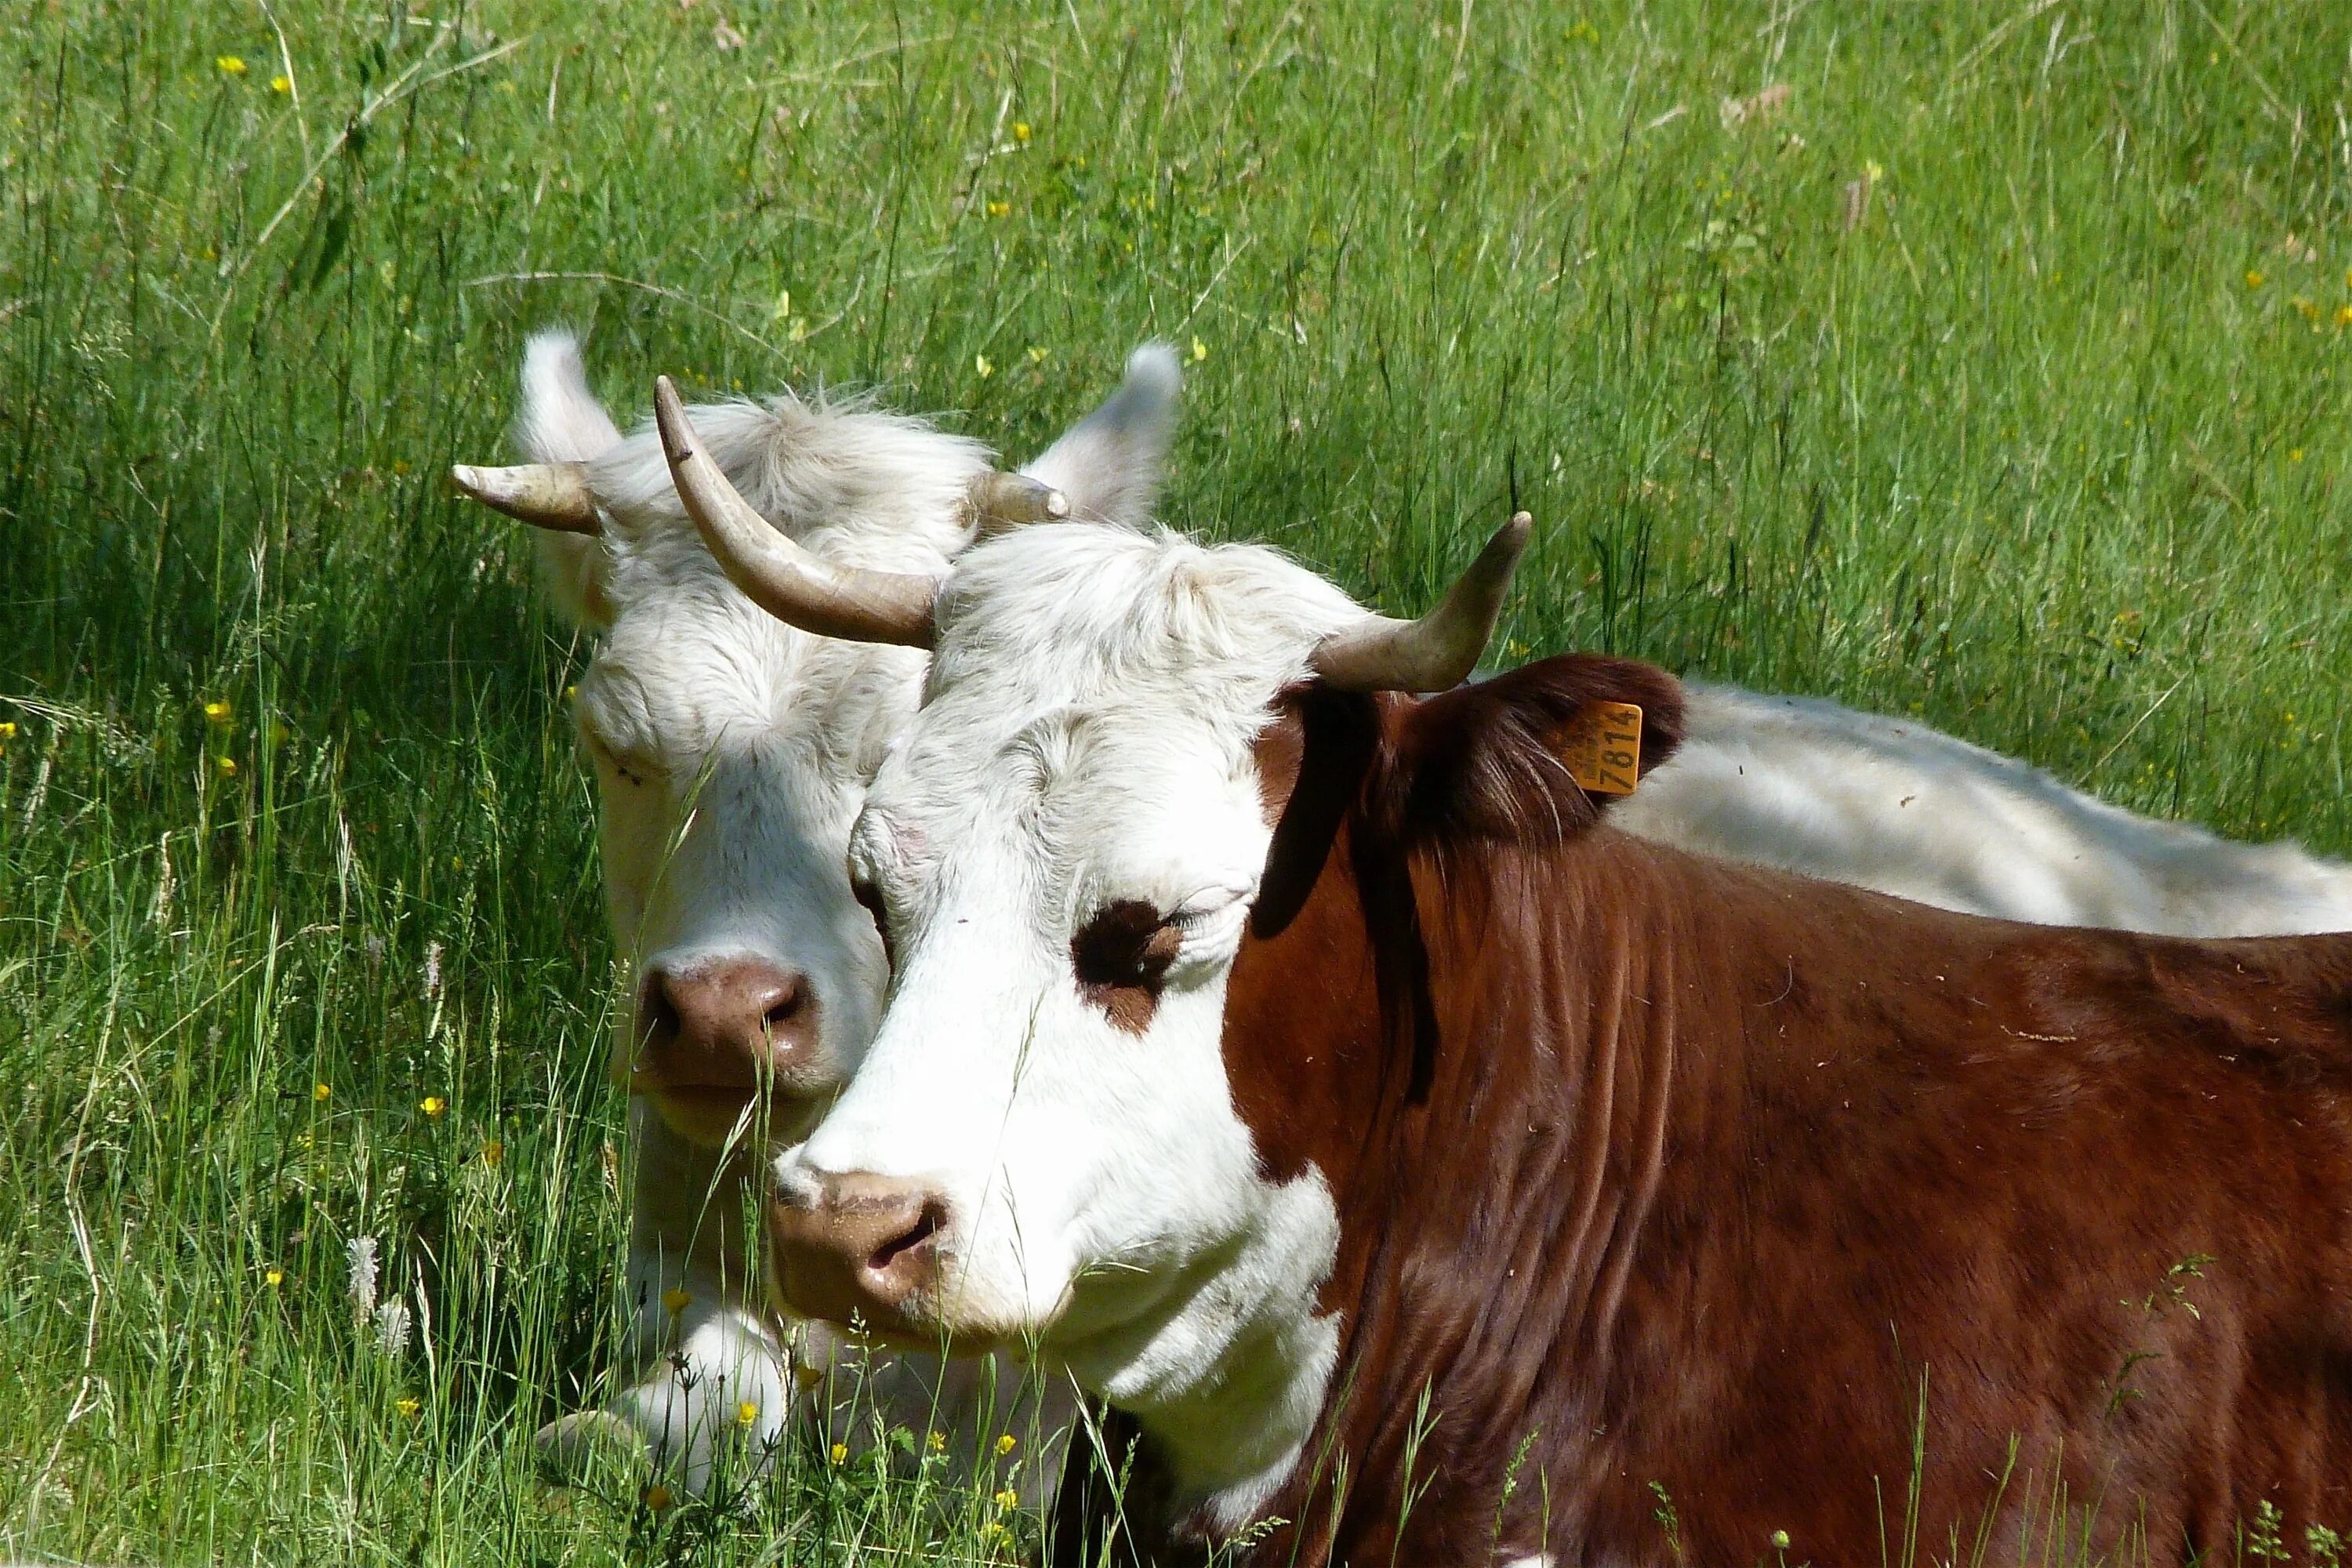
[1603, 748]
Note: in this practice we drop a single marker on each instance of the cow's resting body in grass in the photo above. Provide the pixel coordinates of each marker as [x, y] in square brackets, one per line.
[1436, 1173]
[743, 903]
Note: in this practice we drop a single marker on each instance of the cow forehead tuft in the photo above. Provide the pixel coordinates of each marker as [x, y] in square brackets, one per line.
[1127, 624]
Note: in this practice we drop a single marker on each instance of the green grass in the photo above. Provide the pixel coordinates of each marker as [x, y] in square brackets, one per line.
[2028, 451]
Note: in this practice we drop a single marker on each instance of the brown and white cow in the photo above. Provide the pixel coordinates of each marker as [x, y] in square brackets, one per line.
[1428, 1166]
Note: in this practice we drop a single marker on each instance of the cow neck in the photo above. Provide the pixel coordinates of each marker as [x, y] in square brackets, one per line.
[1436, 1043]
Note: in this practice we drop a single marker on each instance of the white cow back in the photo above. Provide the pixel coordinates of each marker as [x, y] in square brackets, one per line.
[1892, 805]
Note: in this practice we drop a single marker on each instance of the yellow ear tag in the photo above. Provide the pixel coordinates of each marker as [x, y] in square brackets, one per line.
[1603, 748]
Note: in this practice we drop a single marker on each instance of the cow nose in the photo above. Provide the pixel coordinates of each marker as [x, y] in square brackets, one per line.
[856, 1247]
[712, 1034]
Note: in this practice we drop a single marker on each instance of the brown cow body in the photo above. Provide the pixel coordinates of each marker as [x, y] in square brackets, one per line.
[1731, 1182]
[1438, 1177]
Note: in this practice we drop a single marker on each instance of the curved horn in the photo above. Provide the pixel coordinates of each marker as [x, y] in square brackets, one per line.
[1440, 650]
[774, 572]
[552, 496]
[999, 502]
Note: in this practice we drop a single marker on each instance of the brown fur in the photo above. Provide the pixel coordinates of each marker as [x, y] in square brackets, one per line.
[1654, 1169]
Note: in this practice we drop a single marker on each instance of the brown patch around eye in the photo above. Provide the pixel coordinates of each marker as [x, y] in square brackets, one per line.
[1121, 956]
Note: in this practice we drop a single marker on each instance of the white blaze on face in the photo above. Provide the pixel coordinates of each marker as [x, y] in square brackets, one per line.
[1066, 841]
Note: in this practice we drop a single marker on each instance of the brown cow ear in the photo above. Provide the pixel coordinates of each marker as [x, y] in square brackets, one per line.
[1494, 760]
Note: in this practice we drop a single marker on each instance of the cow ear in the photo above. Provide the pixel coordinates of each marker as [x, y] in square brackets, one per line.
[1109, 464]
[562, 422]
[1494, 759]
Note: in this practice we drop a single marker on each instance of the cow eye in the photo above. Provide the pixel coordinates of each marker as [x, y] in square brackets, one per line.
[1121, 956]
[631, 769]
[870, 897]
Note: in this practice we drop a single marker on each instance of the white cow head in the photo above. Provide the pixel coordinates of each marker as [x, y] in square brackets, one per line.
[732, 750]
[1043, 1144]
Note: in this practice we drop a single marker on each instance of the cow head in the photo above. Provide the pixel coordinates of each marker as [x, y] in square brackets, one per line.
[1065, 847]
[731, 751]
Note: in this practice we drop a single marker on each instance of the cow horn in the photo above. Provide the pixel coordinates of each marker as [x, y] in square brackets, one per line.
[1440, 650]
[999, 502]
[552, 496]
[789, 583]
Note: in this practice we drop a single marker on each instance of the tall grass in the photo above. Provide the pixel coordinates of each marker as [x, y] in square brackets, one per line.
[1999, 376]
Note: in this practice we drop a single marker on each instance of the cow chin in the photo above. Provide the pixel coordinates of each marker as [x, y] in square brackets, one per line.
[715, 1116]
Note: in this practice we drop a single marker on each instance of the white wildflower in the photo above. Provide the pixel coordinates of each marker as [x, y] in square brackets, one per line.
[393, 1322]
[362, 1253]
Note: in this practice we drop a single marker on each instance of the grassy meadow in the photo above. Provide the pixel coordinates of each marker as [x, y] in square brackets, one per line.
[1998, 370]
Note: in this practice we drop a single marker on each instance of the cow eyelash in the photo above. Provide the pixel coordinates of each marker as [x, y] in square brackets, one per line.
[632, 771]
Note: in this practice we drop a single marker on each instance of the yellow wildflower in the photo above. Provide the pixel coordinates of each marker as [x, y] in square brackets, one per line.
[281, 84]
[432, 1105]
[2254, 278]
[746, 1413]
[229, 64]
[936, 1442]
[1036, 352]
[273, 1277]
[675, 1300]
[2294, 455]
[228, 767]
[2304, 307]
[1006, 1498]
[494, 1153]
[838, 1452]
[320, 1091]
[2343, 315]
[1007, 1443]
[218, 711]
[1020, 130]
[1200, 350]
[980, 363]
[657, 1497]
[998, 210]
[408, 1405]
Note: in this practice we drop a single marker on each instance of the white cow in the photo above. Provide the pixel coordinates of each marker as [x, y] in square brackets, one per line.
[732, 753]
[1896, 805]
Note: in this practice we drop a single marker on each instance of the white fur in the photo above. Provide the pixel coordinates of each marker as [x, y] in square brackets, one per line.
[1894, 804]
[1085, 739]
[731, 754]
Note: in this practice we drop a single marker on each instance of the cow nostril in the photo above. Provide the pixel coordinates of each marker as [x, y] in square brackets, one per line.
[783, 1009]
[657, 1015]
[916, 1236]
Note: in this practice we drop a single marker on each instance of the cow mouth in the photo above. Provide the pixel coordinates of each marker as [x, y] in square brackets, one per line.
[702, 1113]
